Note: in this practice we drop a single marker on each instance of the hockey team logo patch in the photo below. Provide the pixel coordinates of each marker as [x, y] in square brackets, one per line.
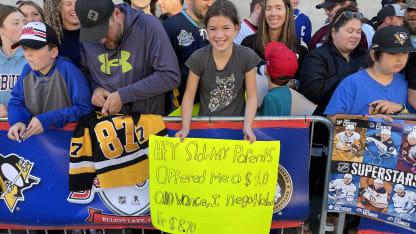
[15, 177]
[401, 38]
[284, 189]
[185, 38]
[128, 201]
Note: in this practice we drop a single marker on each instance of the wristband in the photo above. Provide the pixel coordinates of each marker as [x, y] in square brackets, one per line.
[402, 111]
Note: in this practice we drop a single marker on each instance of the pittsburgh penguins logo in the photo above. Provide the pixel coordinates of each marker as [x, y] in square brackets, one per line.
[15, 177]
[401, 38]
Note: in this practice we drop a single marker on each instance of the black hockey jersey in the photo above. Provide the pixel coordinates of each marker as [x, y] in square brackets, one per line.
[113, 149]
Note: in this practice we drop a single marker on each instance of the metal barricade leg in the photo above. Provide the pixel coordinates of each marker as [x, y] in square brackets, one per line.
[323, 226]
[340, 223]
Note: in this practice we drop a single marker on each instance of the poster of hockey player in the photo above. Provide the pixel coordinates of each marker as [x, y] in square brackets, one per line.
[374, 194]
[343, 189]
[403, 202]
[407, 153]
[382, 143]
[349, 140]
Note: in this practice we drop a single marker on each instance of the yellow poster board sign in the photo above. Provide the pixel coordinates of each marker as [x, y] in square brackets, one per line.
[212, 186]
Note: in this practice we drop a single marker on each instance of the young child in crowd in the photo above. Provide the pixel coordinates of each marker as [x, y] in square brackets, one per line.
[12, 61]
[51, 91]
[281, 66]
[224, 71]
[379, 89]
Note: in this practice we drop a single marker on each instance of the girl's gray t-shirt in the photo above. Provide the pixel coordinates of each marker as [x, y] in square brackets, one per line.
[222, 92]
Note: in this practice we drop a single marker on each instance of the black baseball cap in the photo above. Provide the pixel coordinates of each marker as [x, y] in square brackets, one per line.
[389, 10]
[94, 17]
[392, 39]
[328, 4]
[36, 35]
[385, 2]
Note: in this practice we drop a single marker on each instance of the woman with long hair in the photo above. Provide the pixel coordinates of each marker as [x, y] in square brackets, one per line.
[11, 60]
[61, 16]
[31, 10]
[276, 24]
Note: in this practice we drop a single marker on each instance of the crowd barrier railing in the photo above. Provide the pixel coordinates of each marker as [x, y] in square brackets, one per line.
[309, 120]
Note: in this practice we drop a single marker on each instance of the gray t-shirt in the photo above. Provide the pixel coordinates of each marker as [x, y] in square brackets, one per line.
[222, 92]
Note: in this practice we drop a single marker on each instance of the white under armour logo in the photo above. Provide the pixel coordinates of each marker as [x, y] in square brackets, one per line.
[92, 15]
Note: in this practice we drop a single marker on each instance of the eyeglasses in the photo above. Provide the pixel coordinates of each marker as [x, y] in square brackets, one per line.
[349, 14]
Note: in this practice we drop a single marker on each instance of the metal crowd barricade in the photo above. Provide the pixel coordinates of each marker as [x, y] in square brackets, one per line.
[323, 227]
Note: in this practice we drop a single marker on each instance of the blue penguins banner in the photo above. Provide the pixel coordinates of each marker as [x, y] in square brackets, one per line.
[34, 189]
[373, 170]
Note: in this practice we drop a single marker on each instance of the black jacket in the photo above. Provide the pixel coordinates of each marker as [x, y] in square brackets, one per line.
[410, 71]
[323, 69]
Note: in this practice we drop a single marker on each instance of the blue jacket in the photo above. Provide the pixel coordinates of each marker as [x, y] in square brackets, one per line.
[60, 97]
[303, 26]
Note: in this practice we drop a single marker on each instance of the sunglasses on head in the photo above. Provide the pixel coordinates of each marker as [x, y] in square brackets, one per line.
[349, 14]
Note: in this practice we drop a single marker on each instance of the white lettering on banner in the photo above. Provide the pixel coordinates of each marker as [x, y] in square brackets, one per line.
[8, 81]
[385, 174]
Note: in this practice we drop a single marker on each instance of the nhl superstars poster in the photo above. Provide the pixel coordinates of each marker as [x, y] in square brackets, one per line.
[373, 170]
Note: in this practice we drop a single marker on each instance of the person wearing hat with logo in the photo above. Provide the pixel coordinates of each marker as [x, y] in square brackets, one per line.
[51, 91]
[390, 15]
[281, 66]
[131, 66]
[379, 89]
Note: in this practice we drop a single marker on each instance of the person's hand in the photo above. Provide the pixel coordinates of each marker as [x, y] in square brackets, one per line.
[16, 131]
[182, 134]
[3, 111]
[113, 104]
[384, 117]
[249, 135]
[33, 128]
[385, 107]
[99, 96]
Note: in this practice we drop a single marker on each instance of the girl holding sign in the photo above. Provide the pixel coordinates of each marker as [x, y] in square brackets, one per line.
[223, 71]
